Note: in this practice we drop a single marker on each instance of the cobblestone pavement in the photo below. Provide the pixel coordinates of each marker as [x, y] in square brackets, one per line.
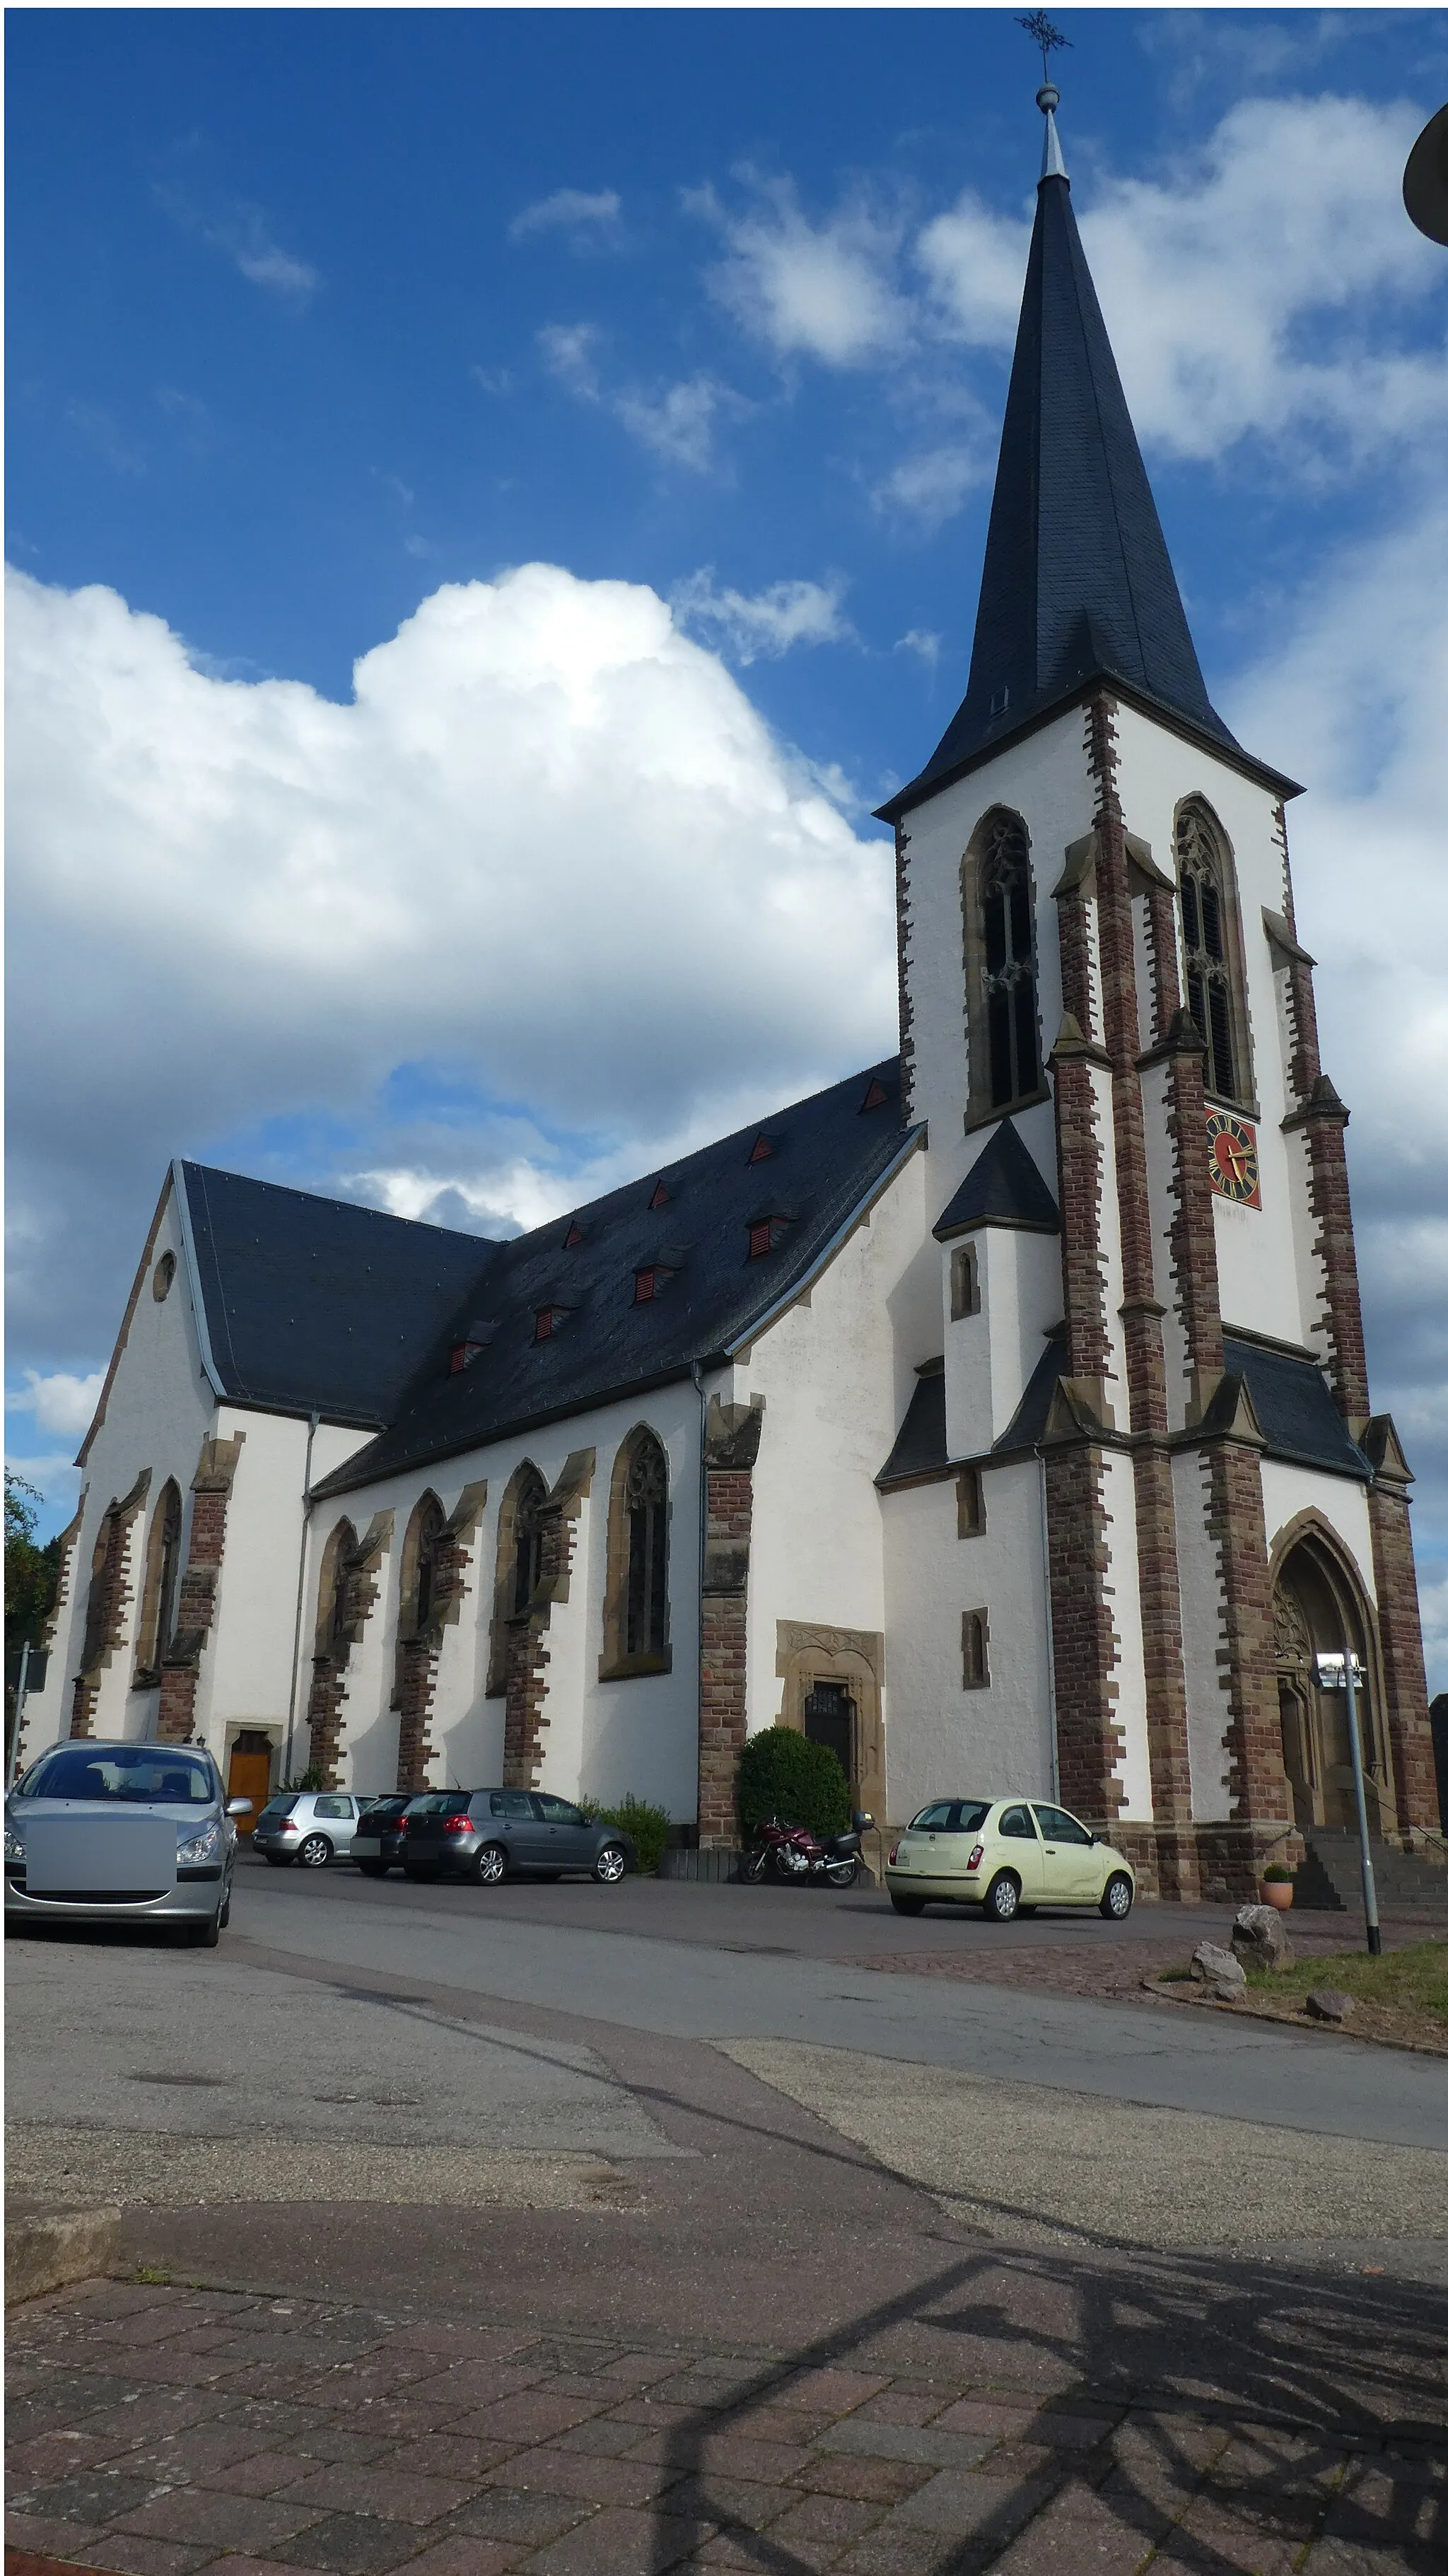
[1021, 2413]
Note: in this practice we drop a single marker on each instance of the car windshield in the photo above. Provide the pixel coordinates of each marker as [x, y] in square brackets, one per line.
[277, 1807]
[952, 1816]
[145, 1774]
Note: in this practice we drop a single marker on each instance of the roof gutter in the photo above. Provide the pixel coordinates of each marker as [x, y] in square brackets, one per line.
[193, 1273]
[914, 1143]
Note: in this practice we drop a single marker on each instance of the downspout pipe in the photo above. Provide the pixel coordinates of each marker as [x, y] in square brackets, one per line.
[312, 1422]
[1040, 1457]
[696, 1373]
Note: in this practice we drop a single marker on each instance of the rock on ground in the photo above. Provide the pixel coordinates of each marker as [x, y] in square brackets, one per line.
[1218, 1968]
[1259, 1938]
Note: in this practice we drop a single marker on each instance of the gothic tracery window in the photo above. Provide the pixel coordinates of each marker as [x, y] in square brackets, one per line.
[1213, 981]
[163, 1576]
[646, 1497]
[528, 1503]
[1000, 949]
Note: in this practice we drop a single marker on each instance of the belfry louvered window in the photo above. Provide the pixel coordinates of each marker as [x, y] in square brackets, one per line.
[1213, 993]
[1009, 962]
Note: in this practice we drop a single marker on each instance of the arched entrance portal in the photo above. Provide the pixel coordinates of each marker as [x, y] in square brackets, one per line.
[1320, 1615]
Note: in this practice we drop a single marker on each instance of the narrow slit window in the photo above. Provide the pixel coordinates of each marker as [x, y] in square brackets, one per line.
[964, 1282]
[974, 1650]
[969, 1504]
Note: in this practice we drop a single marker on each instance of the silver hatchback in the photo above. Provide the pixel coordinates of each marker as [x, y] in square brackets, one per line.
[100, 1832]
[312, 1826]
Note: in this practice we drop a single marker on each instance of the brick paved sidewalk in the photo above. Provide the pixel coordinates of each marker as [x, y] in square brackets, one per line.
[162, 2431]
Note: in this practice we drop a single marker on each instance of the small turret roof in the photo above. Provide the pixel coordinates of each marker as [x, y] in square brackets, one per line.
[1003, 1187]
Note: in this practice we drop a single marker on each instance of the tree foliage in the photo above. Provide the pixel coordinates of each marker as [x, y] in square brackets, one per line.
[782, 1774]
[31, 1572]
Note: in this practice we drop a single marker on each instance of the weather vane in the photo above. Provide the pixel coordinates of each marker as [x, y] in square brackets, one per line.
[1050, 39]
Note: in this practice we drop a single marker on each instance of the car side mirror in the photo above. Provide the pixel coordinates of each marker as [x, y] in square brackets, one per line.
[238, 1806]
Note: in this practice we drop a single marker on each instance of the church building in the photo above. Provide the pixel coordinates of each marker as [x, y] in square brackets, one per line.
[998, 1416]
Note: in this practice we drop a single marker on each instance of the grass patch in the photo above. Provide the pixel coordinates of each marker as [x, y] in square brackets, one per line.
[1413, 1980]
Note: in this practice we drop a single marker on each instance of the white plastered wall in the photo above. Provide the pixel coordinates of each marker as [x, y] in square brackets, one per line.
[159, 1409]
[603, 1739]
[1341, 1500]
[837, 1374]
[990, 1357]
[941, 1739]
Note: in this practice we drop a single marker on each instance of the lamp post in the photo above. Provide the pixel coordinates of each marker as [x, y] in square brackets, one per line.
[1370, 1893]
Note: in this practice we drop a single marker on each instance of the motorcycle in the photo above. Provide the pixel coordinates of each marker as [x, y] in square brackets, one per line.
[794, 1855]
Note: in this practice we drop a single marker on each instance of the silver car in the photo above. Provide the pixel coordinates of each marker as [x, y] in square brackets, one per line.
[309, 1825]
[122, 1833]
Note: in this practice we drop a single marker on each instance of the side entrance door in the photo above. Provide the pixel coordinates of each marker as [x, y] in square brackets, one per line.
[829, 1719]
[248, 1775]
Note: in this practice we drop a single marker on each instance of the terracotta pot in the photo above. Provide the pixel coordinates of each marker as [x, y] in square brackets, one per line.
[1278, 1892]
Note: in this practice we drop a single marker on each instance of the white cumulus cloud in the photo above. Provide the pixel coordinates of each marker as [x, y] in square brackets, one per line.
[549, 848]
[575, 211]
[60, 1403]
[766, 622]
[826, 289]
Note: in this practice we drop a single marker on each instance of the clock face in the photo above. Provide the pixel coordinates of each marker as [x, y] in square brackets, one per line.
[1232, 1158]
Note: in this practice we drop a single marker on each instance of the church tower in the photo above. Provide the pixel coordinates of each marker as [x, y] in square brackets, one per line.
[1155, 1389]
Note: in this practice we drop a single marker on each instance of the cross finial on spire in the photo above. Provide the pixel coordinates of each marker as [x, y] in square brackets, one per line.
[1048, 98]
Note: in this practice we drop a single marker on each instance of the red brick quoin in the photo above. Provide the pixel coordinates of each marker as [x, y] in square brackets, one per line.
[731, 1447]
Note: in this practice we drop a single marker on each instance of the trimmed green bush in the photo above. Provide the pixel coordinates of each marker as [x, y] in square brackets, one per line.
[1277, 1874]
[648, 1825]
[782, 1774]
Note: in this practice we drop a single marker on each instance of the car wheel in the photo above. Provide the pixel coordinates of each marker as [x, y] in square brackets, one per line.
[610, 1865]
[315, 1852]
[373, 1868]
[1117, 1896]
[1002, 1898]
[907, 1904]
[224, 1917]
[491, 1866]
[203, 1936]
[278, 1860]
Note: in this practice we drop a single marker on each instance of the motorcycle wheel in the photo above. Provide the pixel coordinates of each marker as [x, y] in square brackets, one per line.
[757, 1865]
[842, 1873]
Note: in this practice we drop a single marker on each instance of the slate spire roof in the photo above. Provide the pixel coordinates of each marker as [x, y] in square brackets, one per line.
[1077, 580]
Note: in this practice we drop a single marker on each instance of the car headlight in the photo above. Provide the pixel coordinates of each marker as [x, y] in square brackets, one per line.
[14, 1845]
[201, 1847]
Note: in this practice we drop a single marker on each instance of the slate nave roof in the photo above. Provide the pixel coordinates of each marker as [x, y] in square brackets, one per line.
[309, 1304]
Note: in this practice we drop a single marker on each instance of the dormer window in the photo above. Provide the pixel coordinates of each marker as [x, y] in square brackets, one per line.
[546, 1321]
[761, 1149]
[465, 1350]
[661, 1195]
[876, 1094]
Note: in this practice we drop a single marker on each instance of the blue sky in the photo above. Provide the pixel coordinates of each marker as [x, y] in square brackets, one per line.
[322, 322]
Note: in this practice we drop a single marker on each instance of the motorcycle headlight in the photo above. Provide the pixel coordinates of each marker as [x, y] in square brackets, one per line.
[200, 1848]
[14, 1845]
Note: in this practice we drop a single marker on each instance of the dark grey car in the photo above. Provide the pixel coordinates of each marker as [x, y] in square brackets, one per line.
[489, 1834]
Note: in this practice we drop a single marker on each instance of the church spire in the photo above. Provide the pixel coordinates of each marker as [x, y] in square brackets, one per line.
[1077, 580]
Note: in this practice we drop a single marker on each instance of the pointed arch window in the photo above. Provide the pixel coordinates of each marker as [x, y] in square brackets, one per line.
[1211, 949]
[420, 1566]
[162, 1583]
[636, 1595]
[519, 1569]
[334, 1609]
[1002, 1021]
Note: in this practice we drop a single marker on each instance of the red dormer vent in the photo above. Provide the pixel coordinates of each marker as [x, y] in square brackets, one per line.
[573, 1237]
[465, 1350]
[761, 1149]
[762, 1237]
[546, 1320]
[661, 1195]
[647, 1284]
[876, 1094]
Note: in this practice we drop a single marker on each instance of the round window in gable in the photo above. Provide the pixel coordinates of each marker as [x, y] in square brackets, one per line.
[162, 1276]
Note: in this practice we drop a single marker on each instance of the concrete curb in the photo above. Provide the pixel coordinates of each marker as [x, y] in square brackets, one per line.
[1179, 1990]
[46, 2248]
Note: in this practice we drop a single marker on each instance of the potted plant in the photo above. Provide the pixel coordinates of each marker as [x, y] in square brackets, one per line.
[1277, 1885]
